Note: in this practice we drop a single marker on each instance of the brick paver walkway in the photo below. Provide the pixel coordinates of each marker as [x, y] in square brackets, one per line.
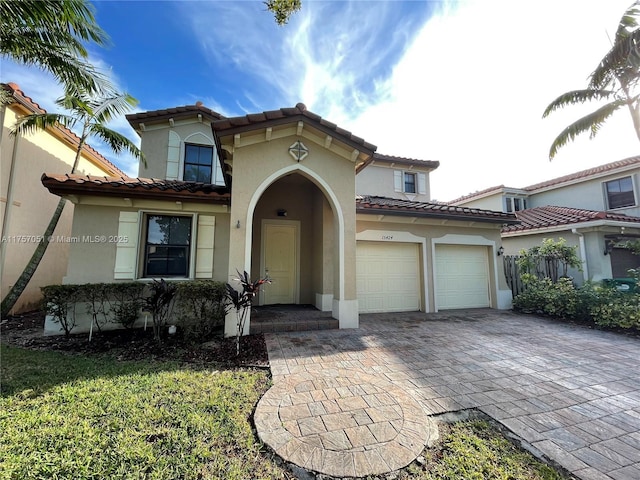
[344, 401]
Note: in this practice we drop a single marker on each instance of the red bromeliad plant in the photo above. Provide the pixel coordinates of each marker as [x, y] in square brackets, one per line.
[241, 300]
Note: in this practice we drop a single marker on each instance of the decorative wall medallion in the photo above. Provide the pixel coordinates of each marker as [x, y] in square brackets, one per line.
[298, 151]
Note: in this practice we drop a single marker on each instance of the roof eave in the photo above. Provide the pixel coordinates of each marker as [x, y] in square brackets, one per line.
[436, 215]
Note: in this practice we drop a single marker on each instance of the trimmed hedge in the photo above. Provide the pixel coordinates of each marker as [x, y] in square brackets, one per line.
[603, 305]
[199, 309]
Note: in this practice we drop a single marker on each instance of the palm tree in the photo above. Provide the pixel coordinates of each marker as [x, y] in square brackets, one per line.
[615, 80]
[90, 114]
[49, 34]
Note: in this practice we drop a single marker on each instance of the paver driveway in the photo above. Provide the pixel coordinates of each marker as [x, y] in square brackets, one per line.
[571, 392]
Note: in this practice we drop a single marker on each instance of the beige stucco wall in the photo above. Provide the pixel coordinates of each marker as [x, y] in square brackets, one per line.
[94, 262]
[32, 206]
[490, 202]
[256, 166]
[434, 232]
[155, 145]
[378, 180]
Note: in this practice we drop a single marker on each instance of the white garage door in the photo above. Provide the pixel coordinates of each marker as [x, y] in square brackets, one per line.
[388, 277]
[462, 277]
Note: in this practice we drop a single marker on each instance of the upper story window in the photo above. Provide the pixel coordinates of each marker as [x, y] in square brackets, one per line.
[167, 246]
[515, 204]
[409, 182]
[198, 163]
[620, 193]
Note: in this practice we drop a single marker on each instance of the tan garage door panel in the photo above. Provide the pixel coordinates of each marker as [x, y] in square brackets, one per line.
[388, 277]
[462, 277]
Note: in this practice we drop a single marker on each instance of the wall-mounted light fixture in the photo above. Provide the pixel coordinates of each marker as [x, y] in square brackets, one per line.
[500, 251]
[281, 212]
[238, 224]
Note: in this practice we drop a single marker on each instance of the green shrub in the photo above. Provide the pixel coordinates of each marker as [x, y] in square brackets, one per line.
[617, 309]
[558, 299]
[200, 308]
[60, 303]
[126, 300]
[603, 305]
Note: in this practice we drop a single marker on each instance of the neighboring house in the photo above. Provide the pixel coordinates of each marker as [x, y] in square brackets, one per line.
[397, 177]
[596, 210]
[275, 193]
[26, 207]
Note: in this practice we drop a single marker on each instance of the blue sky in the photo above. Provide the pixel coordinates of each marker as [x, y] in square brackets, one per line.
[463, 82]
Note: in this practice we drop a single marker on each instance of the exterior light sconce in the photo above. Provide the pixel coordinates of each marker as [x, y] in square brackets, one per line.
[281, 212]
[238, 224]
[500, 251]
[608, 247]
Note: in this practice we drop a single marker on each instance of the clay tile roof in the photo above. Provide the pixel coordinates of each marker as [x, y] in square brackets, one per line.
[26, 101]
[232, 125]
[586, 173]
[552, 216]
[135, 119]
[393, 206]
[406, 160]
[134, 187]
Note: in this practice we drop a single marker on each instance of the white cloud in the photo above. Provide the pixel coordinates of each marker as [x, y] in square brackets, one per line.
[471, 90]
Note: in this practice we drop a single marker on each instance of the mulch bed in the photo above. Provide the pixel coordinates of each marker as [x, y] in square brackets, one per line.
[25, 331]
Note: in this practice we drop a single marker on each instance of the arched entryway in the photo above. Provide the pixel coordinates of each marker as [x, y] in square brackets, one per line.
[295, 240]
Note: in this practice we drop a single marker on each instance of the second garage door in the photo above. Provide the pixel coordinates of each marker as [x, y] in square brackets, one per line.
[388, 277]
[462, 277]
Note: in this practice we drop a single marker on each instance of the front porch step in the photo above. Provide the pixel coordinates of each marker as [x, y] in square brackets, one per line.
[290, 318]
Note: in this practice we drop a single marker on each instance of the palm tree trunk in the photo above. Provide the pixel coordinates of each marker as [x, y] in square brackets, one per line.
[16, 290]
[634, 108]
[25, 277]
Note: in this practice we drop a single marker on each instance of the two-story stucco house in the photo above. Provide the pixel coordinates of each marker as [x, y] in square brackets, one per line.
[284, 193]
[26, 207]
[596, 210]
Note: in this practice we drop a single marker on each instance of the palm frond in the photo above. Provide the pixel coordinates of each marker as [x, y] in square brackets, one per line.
[623, 58]
[113, 106]
[116, 141]
[589, 123]
[575, 97]
[40, 121]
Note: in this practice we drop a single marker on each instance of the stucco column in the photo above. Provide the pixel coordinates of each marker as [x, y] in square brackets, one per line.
[345, 302]
[239, 242]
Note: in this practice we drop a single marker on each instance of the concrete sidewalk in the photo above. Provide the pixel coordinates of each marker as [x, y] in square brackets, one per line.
[357, 402]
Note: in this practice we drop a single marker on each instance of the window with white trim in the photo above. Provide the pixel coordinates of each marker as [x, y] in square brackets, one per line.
[619, 193]
[167, 248]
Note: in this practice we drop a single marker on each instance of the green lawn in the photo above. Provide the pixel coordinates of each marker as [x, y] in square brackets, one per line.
[93, 417]
[78, 417]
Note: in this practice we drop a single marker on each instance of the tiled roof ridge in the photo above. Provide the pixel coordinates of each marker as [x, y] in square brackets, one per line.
[14, 89]
[375, 202]
[197, 107]
[122, 179]
[585, 173]
[553, 215]
[300, 109]
[391, 158]
[477, 193]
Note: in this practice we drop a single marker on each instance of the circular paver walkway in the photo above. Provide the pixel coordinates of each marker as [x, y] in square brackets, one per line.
[343, 423]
